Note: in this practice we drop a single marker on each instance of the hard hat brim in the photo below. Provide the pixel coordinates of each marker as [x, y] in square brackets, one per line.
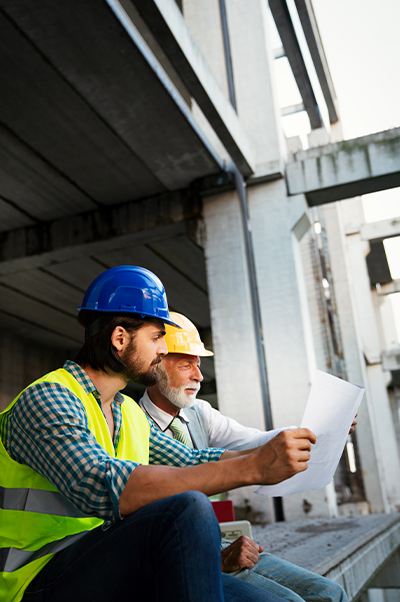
[137, 313]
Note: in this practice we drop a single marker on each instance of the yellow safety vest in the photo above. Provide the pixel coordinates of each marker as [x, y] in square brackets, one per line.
[36, 521]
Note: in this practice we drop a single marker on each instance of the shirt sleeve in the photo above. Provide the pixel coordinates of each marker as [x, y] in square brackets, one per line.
[168, 451]
[49, 431]
[229, 434]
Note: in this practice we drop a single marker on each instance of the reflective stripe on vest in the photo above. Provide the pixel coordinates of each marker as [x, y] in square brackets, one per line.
[12, 559]
[38, 521]
[36, 500]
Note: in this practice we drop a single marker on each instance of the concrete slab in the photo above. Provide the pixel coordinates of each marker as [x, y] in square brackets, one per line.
[348, 550]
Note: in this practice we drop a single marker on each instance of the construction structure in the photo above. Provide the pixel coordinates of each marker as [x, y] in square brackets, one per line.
[148, 132]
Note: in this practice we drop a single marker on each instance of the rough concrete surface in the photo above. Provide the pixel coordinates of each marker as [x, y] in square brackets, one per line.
[320, 544]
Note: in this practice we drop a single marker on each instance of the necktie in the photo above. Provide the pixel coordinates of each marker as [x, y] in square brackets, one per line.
[179, 432]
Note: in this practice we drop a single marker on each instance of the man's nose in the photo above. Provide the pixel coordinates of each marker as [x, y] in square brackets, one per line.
[197, 375]
[162, 347]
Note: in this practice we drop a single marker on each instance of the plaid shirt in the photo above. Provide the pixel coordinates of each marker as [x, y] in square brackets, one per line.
[48, 430]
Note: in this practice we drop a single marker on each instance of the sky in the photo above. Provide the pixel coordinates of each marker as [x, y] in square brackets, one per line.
[362, 45]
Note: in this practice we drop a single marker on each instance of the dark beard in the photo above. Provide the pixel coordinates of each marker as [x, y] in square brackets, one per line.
[132, 372]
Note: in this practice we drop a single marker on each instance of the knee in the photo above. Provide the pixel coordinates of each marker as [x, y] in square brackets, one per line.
[337, 593]
[332, 591]
[196, 503]
[195, 507]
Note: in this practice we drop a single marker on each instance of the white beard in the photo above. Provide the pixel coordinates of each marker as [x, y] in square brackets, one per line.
[177, 395]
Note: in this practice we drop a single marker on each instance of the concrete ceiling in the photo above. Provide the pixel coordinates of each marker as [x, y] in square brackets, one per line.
[98, 152]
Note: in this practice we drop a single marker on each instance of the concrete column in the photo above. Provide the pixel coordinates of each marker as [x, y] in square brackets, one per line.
[375, 431]
[314, 301]
[236, 368]
[278, 223]
[254, 80]
[385, 321]
[204, 23]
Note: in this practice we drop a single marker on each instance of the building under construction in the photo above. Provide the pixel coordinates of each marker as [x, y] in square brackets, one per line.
[148, 132]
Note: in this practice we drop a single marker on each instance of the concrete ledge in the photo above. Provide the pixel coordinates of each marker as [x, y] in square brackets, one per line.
[349, 550]
[346, 169]
[379, 230]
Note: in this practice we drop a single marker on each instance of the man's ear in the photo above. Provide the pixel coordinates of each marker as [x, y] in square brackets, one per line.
[120, 338]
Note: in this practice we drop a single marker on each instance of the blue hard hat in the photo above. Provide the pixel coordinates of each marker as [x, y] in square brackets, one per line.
[128, 289]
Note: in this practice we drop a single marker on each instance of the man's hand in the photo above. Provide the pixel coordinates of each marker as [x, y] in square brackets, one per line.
[353, 424]
[282, 457]
[241, 554]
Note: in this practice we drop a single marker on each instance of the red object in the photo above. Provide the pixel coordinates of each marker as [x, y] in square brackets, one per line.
[224, 511]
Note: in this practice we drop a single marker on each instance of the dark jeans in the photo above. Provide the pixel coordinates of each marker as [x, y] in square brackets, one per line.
[149, 556]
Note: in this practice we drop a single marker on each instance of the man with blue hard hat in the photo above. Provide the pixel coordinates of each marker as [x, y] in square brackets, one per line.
[97, 505]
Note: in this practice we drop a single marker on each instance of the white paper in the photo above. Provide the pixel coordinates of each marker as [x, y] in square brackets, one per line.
[329, 413]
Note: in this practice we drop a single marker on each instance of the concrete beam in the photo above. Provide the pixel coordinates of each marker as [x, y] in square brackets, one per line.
[346, 169]
[314, 42]
[72, 237]
[283, 21]
[387, 228]
[168, 26]
[390, 288]
[391, 359]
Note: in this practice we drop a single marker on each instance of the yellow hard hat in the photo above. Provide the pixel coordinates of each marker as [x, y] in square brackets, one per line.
[185, 339]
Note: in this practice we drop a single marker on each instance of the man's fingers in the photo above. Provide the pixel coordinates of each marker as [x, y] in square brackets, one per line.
[248, 559]
[353, 424]
[284, 455]
[246, 541]
[303, 433]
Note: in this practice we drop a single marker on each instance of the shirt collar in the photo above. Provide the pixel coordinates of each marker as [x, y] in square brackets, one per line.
[86, 383]
[162, 418]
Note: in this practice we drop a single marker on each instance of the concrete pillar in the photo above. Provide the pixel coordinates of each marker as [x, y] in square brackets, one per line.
[278, 224]
[385, 321]
[204, 23]
[254, 80]
[309, 248]
[238, 381]
[375, 431]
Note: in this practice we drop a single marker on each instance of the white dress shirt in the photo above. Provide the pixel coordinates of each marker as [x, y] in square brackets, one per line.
[223, 432]
[162, 419]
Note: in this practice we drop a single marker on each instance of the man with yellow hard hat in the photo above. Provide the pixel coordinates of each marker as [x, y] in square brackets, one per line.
[172, 405]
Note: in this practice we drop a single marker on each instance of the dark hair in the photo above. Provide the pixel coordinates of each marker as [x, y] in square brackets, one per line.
[98, 352]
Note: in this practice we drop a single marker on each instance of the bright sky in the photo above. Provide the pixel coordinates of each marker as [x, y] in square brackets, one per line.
[362, 45]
